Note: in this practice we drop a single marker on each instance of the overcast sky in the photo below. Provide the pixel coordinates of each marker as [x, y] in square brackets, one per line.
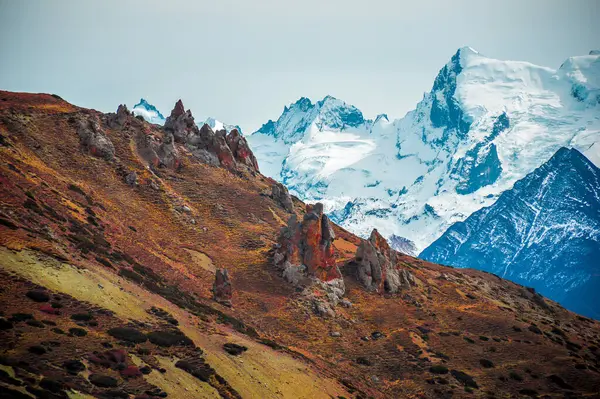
[242, 61]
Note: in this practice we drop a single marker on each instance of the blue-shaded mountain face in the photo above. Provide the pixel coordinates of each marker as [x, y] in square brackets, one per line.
[543, 233]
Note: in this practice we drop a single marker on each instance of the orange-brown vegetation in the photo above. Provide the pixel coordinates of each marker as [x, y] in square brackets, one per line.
[107, 267]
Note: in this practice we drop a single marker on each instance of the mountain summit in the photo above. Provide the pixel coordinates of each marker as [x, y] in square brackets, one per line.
[543, 233]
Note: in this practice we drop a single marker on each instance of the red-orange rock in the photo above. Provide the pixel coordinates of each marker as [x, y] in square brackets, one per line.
[309, 244]
[180, 123]
[178, 110]
[241, 150]
[49, 309]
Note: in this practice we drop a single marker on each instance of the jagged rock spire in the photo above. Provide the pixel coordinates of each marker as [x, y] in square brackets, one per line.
[377, 266]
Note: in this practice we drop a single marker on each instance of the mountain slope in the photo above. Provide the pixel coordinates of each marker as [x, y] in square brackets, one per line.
[543, 233]
[96, 235]
[485, 124]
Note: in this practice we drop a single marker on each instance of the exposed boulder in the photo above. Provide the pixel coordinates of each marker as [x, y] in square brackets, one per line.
[377, 266]
[131, 178]
[147, 146]
[167, 153]
[94, 140]
[157, 151]
[120, 118]
[281, 195]
[241, 150]
[222, 289]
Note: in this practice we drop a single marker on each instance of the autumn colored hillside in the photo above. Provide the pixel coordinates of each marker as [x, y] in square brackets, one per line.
[112, 231]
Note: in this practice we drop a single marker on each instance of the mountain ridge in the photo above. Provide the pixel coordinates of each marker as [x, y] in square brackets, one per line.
[544, 233]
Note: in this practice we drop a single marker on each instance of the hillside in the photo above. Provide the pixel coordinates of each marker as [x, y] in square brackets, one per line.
[544, 233]
[112, 230]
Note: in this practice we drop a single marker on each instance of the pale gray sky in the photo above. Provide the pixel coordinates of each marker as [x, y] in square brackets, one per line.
[242, 61]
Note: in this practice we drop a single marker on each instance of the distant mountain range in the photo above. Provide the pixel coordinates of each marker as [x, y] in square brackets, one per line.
[484, 125]
[543, 233]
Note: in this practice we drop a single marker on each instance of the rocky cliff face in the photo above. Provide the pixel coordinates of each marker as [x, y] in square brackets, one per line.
[543, 233]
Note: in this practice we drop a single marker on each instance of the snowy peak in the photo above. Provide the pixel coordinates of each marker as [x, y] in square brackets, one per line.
[329, 113]
[584, 74]
[218, 125]
[148, 112]
[337, 115]
[445, 108]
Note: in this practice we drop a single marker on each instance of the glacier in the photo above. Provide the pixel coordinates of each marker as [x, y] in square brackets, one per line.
[543, 233]
[485, 124]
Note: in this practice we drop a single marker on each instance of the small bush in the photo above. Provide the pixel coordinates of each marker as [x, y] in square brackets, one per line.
[438, 369]
[515, 376]
[464, 379]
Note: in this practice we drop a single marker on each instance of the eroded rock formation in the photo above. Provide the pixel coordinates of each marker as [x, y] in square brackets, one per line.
[308, 244]
[376, 266]
[94, 139]
[214, 148]
[180, 123]
[281, 195]
[305, 256]
[120, 118]
[241, 150]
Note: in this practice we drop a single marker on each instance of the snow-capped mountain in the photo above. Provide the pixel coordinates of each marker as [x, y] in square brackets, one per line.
[543, 233]
[485, 124]
[151, 114]
[148, 112]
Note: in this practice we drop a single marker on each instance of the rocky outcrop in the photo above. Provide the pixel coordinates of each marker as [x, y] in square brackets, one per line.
[376, 266]
[305, 256]
[281, 195]
[180, 123]
[222, 289]
[94, 140]
[218, 148]
[120, 118]
[308, 243]
[241, 150]
[167, 153]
